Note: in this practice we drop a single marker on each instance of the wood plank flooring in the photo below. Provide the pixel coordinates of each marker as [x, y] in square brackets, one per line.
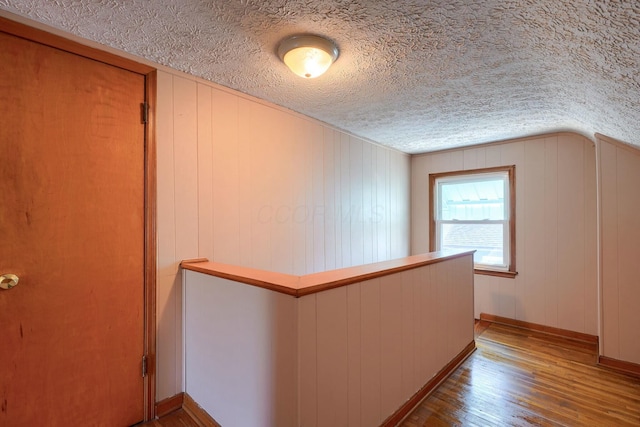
[177, 418]
[518, 377]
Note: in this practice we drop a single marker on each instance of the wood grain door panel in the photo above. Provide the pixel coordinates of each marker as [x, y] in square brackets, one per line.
[72, 227]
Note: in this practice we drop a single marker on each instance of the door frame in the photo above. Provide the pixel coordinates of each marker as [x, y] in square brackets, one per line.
[150, 74]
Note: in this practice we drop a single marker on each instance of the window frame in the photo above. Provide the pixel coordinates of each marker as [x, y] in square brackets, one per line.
[510, 272]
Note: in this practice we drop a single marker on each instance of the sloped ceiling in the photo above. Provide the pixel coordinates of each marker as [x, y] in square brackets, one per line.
[415, 75]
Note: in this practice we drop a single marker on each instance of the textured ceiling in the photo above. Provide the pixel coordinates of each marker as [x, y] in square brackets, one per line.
[415, 75]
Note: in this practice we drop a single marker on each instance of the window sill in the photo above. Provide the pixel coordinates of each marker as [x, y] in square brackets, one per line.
[507, 274]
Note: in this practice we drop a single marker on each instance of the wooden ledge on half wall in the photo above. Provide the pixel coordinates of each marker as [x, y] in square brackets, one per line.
[298, 286]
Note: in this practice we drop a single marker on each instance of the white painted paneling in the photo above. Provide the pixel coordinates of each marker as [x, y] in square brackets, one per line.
[356, 206]
[279, 210]
[483, 303]
[247, 111]
[391, 324]
[166, 232]
[309, 138]
[629, 255]
[394, 196]
[512, 301]
[438, 313]
[533, 289]
[555, 228]
[205, 172]
[168, 338]
[571, 280]
[463, 304]
[185, 164]
[315, 210]
[410, 380]
[470, 159]
[371, 346]
[493, 156]
[307, 361]
[609, 249]
[370, 381]
[620, 239]
[399, 227]
[456, 158]
[332, 357]
[338, 189]
[381, 186]
[301, 187]
[241, 347]
[345, 210]
[368, 205]
[185, 156]
[591, 240]
[327, 205]
[247, 183]
[354, 355]
[345, 356]
[169, 281]
[226, 177]
[425, 356]
[551, 263]
[420, 169]
[283, 351]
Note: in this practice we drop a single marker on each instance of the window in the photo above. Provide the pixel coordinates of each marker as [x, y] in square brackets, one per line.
[475, 210]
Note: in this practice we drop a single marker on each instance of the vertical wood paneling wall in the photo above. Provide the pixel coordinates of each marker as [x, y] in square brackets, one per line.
[366, 348]
[556, 235]
[247, 183]
[240, 351]
[347, 356]
[619, 178]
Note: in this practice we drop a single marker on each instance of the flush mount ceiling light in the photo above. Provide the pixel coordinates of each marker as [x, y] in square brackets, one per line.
[307, 55]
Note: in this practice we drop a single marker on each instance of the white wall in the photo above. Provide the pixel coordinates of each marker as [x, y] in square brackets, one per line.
[619, 181]
[244, 182]
[555, 228]
[347, 356]
[241, 346]
[366, 348]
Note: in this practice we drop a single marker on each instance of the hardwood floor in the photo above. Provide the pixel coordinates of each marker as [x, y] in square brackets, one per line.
[518, 377]
[177, 418]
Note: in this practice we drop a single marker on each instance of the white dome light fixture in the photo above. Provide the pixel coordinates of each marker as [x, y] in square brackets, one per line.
[307, 55]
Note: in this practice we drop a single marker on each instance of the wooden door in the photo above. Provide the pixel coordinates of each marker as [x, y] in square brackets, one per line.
[72, 229]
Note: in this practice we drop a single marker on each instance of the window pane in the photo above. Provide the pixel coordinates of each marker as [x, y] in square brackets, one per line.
[472, 200]
[486, 239]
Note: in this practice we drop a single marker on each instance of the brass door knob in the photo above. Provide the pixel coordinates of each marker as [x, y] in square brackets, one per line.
[8, 281]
